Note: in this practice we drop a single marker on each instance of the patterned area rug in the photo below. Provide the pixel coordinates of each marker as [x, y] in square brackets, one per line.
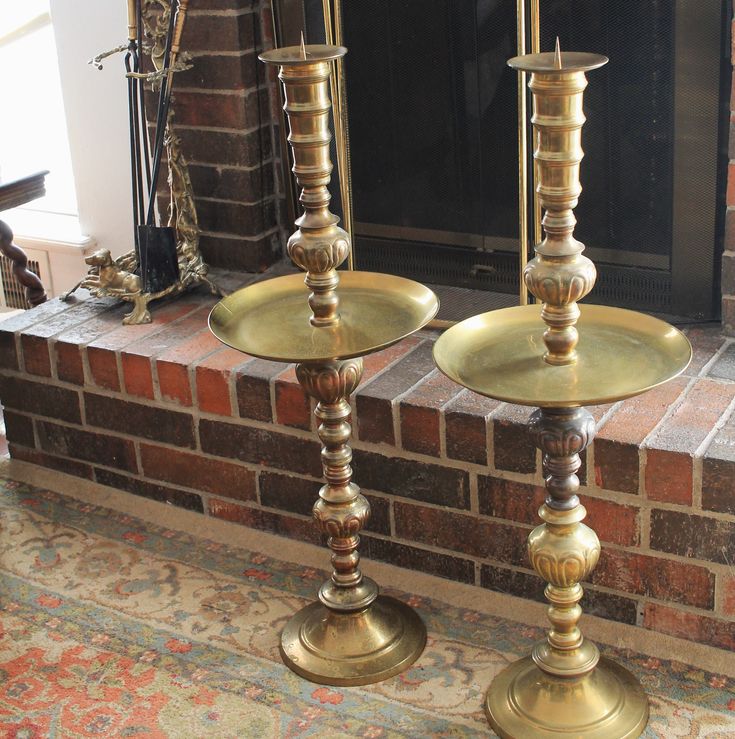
[113, 627]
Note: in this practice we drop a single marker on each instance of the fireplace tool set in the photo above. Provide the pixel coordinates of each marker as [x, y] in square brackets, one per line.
[166, 259]
[555, 356]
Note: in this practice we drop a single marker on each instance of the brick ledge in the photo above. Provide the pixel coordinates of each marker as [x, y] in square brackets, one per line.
[166, 412]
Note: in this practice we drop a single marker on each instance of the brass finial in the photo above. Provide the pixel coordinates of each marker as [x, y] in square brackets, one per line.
[303, 46]
[557, 55]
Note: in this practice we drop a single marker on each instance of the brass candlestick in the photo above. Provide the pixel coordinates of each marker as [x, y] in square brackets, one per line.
[351, 635]
[564, 689]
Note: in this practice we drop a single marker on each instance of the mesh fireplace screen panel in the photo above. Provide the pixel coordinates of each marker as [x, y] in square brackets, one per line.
[627, 173]
[433, 114]
[433, 131]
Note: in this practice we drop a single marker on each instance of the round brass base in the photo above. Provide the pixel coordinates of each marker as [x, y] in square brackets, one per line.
[606, 703]
[353, 648]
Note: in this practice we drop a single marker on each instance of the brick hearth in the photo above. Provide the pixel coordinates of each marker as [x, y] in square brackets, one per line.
[164, 411]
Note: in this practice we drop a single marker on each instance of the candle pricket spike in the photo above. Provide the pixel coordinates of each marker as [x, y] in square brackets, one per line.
[303, 46]
[557, 55]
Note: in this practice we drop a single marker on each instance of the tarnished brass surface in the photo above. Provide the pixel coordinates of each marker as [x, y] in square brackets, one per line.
[351, 636]
[621, 353]
[606, 703]
[358, 648]
[320, 245]
[563, 689]
[271, 319]
[559, 275]
[354, 636]
[563, 550]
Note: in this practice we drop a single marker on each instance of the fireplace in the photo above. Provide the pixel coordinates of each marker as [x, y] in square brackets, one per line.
[433, 120]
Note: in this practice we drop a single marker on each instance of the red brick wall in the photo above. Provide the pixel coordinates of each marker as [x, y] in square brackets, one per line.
[165, 412]
[225, 117]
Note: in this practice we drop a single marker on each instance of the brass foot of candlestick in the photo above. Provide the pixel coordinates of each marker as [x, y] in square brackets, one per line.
[352, 636]
[564, 689]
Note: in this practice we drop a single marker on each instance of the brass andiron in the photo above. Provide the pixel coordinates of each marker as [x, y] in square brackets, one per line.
[326, 322]
[564, 689]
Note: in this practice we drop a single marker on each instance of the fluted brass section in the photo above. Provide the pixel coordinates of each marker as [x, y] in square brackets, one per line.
[559, 275]
[563, 550]
[319, 245]
[341, 511]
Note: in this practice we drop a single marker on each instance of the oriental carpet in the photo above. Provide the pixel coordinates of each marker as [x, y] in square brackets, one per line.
[114, 627]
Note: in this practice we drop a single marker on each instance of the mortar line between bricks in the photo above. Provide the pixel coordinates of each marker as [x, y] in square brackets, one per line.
[474, 494]
[395, 407]
[138, 458]
[51, 349]
[697, 474]
[714, 358]
[20, 354]
[669, 412]
[606, 416]
[362, 387]
[724, 418]
[268, 509]
[645, 529]
[392, 519]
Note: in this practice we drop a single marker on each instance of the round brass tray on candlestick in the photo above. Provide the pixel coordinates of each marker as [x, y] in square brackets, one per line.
[534, 355]
[351, 635]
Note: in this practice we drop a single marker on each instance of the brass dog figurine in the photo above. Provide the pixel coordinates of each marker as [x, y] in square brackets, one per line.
[106, 278]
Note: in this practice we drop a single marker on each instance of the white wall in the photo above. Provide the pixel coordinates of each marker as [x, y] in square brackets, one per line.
[97, 116]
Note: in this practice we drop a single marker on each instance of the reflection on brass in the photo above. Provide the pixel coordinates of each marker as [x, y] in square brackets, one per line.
[351, 635]
[320, 245]
[113, 278]
[621, 353]
[564, 689]
[559, 275]
[376, 310]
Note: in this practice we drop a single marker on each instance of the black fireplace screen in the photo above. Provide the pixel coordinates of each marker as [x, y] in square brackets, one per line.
[433, 121]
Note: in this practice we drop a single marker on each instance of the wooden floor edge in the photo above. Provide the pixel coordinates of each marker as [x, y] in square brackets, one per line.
[459, 595]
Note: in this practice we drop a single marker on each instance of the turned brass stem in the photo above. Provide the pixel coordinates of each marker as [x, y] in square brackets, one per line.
[319, 245]
[559, 275]
[341, 511]
[563, 550]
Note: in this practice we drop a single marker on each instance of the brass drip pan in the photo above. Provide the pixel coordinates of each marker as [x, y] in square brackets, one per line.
[621, 353]
[271, 319]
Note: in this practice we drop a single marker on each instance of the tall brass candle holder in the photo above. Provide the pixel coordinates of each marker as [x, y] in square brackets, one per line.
[564, 689]
[351, 635]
